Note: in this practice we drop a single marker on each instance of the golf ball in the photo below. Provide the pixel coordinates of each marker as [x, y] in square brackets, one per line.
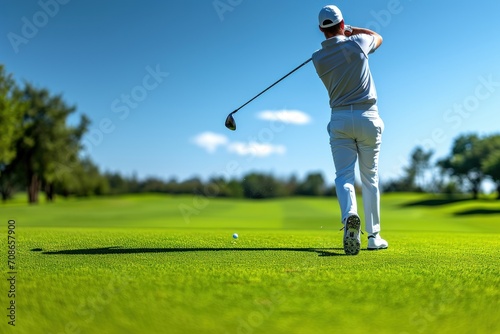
[235, 236]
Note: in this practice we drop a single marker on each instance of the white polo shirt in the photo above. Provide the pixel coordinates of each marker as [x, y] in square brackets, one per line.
[342, 65]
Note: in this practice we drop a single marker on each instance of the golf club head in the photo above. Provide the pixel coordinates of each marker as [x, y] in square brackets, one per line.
[230, 123]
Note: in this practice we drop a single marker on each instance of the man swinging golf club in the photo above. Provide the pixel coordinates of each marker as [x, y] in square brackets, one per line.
[355, 127]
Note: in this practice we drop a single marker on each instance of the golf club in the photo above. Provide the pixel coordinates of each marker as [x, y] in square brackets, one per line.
[230, 122]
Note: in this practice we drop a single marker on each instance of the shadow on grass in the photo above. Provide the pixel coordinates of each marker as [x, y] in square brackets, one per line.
[436, 201]
[120, 250]
[478, 212]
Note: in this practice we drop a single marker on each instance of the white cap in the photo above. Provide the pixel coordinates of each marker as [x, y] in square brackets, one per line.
[330, 13]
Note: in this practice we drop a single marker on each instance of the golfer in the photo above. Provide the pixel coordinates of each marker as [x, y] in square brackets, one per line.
[355, 127]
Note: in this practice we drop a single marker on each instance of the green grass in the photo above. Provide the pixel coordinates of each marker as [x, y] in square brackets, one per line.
[136, 264]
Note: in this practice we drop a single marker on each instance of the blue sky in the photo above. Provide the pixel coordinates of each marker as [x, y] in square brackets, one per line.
[158, 78]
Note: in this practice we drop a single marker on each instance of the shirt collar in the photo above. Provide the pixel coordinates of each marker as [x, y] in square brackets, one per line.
[333, 40]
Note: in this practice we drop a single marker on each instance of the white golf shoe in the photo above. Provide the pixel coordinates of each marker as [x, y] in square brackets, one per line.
[352, 240]
[375, 242]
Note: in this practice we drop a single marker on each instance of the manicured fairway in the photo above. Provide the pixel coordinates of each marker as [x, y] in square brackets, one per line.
[159, 264]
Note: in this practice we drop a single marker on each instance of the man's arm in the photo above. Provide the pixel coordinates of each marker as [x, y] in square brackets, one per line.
[356, 31]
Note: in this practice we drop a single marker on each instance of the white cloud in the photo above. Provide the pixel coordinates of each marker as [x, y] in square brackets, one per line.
[285, 116]
[255, 149]
[210, 141]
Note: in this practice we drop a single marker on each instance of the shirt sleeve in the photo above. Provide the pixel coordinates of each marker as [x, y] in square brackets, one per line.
[315, 59]
[366, 42]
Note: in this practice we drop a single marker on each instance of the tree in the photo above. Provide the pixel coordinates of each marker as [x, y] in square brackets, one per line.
[9, 182]
[11, 111]
[64, 157]
[465, 161]
[48, 148]
[419, 164]
[235, 188]
[152, 185]
[413, 178]
[260, 186]
[219, 187]
[190, 186]
[313, 185]
[117, 183]
[491, 163]
[84, 179]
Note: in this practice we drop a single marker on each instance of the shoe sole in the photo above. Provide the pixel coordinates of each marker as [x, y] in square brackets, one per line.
[375, 249]
[351, 236]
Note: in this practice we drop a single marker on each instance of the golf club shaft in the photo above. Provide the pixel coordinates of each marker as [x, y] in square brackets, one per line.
[265, 90]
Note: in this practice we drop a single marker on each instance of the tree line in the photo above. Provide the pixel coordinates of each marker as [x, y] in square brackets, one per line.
[40, 152]
[472, 161]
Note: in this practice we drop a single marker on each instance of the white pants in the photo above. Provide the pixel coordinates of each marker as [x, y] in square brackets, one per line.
[357, 134]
